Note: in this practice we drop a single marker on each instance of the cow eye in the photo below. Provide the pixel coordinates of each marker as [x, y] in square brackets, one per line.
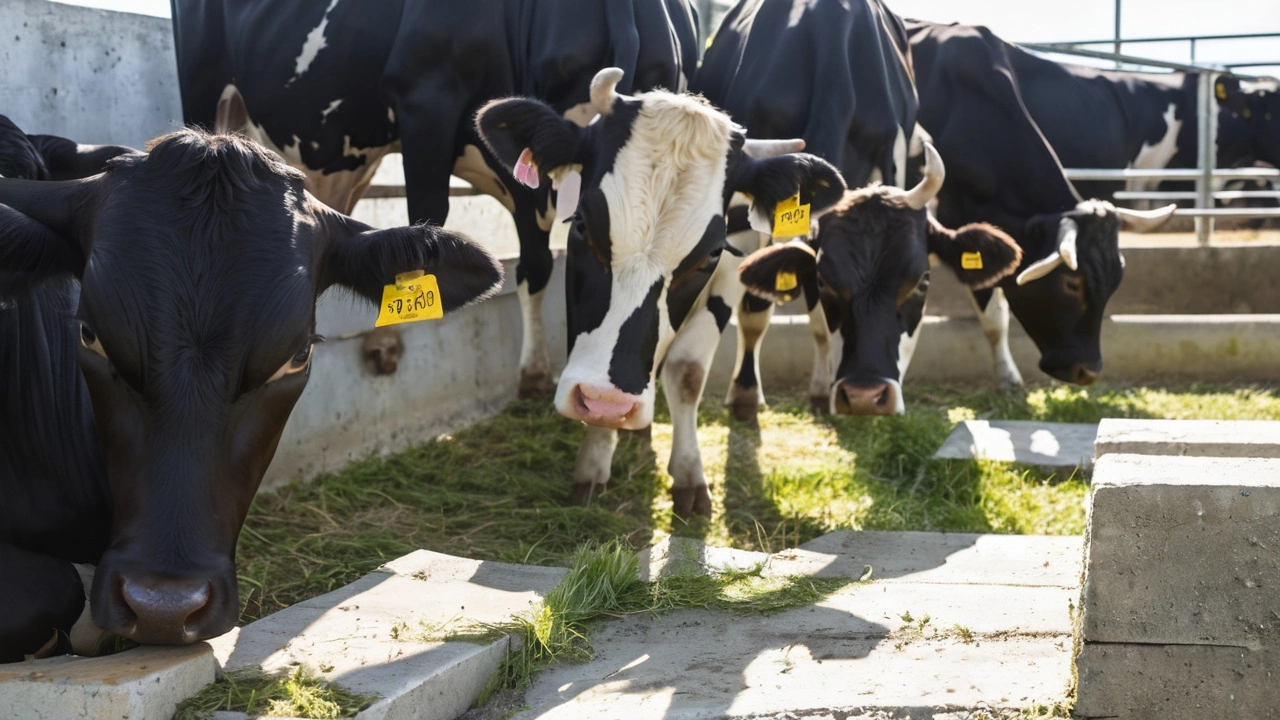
[300, 362]
[89, 339]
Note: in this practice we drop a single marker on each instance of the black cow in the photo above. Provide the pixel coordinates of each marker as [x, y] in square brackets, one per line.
[1001, 171]
[838, 75]
[648, 284]
[871, 264]
[144, 402]
[335, 86]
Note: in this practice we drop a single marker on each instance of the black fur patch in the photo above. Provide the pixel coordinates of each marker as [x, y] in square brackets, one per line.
[719, 310]
[633, 356]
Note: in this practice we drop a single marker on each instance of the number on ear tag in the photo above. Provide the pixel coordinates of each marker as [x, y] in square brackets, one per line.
[790, 218]
[971, 261]
[414, 296]
[785, 281]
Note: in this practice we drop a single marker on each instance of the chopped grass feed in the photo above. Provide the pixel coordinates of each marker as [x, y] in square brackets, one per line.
[259, 694]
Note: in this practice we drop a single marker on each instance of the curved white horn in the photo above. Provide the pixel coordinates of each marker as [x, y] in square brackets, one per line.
[761, 149]
[1067, 232]
[934, 174]
[1145, 220]
[604, 89]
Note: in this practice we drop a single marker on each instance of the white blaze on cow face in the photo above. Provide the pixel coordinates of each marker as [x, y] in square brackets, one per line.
[665, 188]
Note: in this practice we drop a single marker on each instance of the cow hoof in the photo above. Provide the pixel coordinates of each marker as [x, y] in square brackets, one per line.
[820, 404]
[690, 501]
[535, 385]
[745, 410]
[583, 493]
[644, 435]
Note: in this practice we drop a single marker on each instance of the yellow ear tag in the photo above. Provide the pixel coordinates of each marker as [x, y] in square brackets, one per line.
[785, 281]
[790, 218]
[1247, 113]
[1221, 91]
[415, 296]
[971, 261]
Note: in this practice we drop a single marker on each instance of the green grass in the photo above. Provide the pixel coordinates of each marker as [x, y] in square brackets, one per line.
[259, 694]
[498, 490]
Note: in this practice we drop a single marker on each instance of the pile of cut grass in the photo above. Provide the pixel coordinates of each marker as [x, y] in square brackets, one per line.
[256, 693]
[498, 490]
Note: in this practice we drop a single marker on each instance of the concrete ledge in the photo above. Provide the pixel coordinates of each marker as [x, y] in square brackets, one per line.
[145, 683]
[1199, 438]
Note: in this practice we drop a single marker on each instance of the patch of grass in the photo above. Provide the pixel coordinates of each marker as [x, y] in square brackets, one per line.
[499, 489]
[252, 691]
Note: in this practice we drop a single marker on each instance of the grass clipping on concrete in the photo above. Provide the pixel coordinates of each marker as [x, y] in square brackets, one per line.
[256, 693]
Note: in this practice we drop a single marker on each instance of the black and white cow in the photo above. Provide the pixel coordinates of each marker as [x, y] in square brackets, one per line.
[1003, 172]
[870, 262]
[333, 87]
[649, 283]
[836, 74]
[157, 323]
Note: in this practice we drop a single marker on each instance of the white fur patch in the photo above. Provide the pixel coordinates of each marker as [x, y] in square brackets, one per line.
[1156, 157]
[314, 44]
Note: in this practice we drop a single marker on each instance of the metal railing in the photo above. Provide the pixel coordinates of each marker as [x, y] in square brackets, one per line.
[1206, 174]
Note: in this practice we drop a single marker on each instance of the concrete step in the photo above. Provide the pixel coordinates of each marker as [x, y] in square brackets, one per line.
[1063, 446]
[998, 638]
[1199, 438]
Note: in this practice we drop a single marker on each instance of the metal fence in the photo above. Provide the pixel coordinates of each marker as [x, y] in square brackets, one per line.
[1206, 175]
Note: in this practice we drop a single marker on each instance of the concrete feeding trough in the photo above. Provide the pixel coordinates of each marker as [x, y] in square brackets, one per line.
[1050, 445]
[1198, 438]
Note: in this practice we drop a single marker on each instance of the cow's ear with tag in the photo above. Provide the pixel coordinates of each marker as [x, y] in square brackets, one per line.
[528, 137]
[367, 260]
[811, 182]
[1230, 95]
[779, 272]
[980, 254]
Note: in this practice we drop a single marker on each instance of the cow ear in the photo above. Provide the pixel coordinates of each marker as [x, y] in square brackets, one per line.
[980, 254]
[516, 126]
[779, 272]
[1230, 95]
[770, 181]
[366, 260]
[43, 226]
[68, 160]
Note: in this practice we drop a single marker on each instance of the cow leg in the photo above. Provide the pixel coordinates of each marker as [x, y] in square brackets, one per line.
[824, 362]
[594, 464]
[533, 273]
[746, 395]
[42, 598]
[993, 313]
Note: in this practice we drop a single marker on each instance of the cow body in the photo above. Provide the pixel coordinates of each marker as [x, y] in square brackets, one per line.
[335, 86]
[156, 328]
[651, 278]
[1002, 171]
[837, 75]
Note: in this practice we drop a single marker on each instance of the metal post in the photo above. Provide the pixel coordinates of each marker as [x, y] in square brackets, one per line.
[1117, 35]
[1193, 51]
[1207, 155]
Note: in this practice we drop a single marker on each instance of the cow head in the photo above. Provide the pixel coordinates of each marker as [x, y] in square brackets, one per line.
[657, 171]
[200, 263]
[871, 267]
[1073, 267]
[1249, 122]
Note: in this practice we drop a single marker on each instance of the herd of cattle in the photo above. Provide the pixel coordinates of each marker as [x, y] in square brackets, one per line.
[157, 309]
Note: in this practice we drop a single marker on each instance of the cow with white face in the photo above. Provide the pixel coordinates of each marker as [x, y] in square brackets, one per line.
[648, 287]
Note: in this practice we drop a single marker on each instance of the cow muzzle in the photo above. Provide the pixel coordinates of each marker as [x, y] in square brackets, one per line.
[1083, 374]
[156, 609]
[604, 406]
[852, 397]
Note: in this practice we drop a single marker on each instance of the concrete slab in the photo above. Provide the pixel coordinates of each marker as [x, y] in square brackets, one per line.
[1057, 445]
[1183, 550]
[1200, 438]
[382, 634]
[863, 652]
[145, 683]
[1177, 682]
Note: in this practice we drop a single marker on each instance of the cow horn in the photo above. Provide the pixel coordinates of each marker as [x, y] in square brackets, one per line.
[761, 149]
[1064, 252]
[604, 89]
[934, 173]
[1145, 220]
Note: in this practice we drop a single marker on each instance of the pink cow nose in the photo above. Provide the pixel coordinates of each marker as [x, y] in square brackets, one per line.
[604, 406]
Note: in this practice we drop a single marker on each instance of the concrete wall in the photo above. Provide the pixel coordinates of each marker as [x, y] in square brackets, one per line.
[91, 75]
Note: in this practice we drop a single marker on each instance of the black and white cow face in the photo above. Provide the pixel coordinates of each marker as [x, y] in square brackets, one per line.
[1249, 122]
[657, 171]
[200, 264]
[871, 268]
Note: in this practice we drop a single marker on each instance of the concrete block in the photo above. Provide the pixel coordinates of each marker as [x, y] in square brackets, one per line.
[145, 683]
[1177, 682]
[1184, 550]
[1055, 445]
[382, 635]
[938, 558]
[1200, 438]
